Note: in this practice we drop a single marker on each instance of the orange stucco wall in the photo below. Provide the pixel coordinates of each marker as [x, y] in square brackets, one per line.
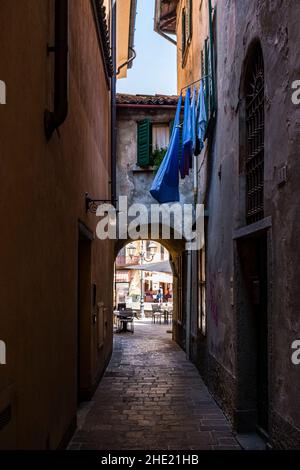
[42, 197]
[189, 67]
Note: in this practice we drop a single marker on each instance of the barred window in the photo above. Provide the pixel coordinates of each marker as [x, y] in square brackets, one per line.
[255, 123]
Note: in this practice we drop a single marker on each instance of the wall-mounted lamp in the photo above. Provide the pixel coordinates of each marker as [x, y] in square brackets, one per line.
[152, 249]
[91, 205]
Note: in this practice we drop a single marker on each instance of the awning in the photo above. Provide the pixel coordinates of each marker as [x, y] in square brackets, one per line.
[161, 267]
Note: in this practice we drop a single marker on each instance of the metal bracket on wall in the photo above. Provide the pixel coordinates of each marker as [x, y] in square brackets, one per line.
[128, 62]
[91, 205]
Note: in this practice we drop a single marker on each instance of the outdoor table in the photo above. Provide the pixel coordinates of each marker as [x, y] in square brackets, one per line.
[122, 319]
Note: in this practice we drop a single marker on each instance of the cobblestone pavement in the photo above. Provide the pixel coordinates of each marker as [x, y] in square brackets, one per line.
[151, 397]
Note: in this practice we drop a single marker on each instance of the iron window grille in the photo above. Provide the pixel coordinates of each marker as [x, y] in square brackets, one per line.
[255, 123]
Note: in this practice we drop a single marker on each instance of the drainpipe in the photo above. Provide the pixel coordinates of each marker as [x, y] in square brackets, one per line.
[165, 36]
[188, 303]
[128, 61]
[54, 119]
[113, 104]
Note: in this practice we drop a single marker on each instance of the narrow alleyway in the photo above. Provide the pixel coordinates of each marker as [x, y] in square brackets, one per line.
[151, 397]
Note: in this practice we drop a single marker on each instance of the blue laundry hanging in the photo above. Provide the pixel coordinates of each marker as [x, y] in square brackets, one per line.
[187, 138]
[193, 119]
[202, 116]
[165, 184]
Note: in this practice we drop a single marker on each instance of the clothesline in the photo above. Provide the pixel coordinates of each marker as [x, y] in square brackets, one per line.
[196, 81]
[183, 146]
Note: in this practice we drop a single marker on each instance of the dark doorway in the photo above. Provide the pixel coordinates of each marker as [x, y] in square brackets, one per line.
[253, 329]
[84, 306]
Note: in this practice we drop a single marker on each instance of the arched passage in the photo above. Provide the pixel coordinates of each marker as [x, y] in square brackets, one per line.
[175, 245]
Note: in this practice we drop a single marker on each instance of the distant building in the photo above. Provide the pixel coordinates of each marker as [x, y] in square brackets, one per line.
[144, 124]
[128, 276]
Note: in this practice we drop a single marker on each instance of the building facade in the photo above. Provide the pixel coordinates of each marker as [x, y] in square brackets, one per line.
[144, 124]
[56, 277]
[129, 276]
[240, 327]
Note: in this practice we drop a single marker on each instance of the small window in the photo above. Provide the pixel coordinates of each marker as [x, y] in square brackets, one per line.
[255, 124]
[150, 137]
[208, 67]
[160, 136]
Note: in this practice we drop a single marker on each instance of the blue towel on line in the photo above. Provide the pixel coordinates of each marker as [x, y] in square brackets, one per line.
[202, 116]
[187, 137]
[165, 184]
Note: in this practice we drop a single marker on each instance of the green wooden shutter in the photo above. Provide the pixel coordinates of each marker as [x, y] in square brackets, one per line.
[211, 59]
[207, 79]
[209, 70]
[144, 142]
[183, 32]
[187, 26]
[189, 20]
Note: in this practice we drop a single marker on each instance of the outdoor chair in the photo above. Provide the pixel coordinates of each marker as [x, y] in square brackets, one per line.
[170, 316]
[122, 306]
[156, 313]
[126, 319]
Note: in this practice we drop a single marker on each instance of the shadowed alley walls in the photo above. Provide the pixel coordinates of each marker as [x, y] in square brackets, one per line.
[43, 186]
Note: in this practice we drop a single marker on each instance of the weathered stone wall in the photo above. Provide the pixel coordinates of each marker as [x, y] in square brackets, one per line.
[189, 65]
[274, 24]
[133, 181]
[238, 23]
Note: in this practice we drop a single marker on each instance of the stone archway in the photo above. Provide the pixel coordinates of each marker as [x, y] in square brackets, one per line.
[175, 247]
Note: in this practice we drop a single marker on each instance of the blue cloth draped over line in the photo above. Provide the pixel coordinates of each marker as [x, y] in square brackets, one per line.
[202, 116]
[186, 160]
[165, 184]
[194, 118]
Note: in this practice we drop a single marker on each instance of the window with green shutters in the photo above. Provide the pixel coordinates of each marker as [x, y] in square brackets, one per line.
[186, 26]
[183, 33]
[152, 138]
[206, 73]
[144, 143]
[211, 57]
[189, 16]
[207, 66]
